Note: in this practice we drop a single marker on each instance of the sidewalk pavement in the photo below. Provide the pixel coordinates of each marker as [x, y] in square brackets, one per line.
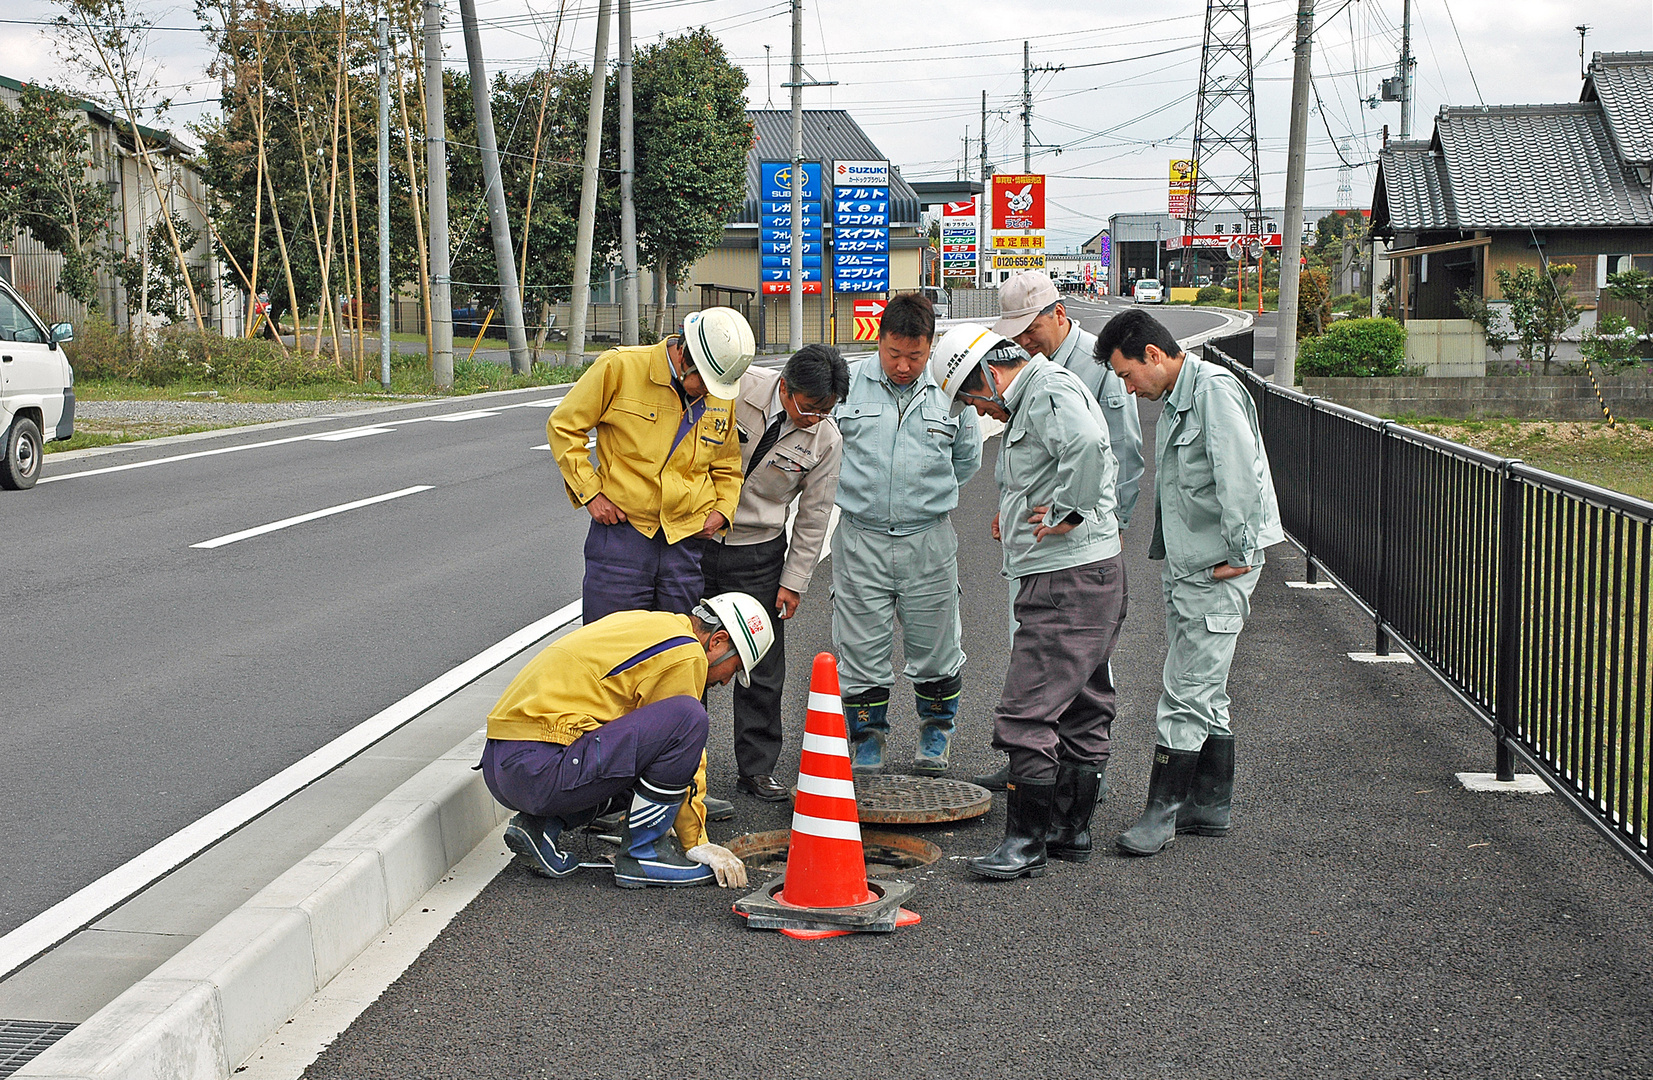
[1366, 918]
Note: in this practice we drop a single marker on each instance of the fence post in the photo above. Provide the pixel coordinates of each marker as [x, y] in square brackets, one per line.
[1380, 593]
[1312, 573]
[1509, 600]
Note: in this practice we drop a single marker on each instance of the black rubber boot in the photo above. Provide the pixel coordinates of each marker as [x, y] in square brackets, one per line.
[995, 780]
[1212, 795]
[1026, 823]
[1070, 815]
[1168, 787]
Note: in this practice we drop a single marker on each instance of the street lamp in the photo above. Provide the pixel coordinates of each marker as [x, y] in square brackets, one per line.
[1157, 249]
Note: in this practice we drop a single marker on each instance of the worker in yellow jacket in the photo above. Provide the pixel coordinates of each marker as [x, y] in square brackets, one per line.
[612, 706]
[666, 472]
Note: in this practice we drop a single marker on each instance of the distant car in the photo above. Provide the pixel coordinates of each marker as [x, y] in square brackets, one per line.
[37, 395]
[1148, 291]
[939, 298]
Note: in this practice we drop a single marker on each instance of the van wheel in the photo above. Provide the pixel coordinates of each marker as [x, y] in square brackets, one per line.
[20, 467]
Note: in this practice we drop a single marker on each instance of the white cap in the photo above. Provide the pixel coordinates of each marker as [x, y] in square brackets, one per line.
[721, 345]
[959, 352]
[750, 629]
[1021, 298]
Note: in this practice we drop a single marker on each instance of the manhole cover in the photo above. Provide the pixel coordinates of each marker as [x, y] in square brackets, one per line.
[898, 799]
[887, 854]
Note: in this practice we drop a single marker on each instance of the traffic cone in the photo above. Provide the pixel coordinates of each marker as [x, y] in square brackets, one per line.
[825, 891]
[825, 865]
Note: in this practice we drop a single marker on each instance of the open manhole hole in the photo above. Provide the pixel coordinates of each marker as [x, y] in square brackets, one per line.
[887, 853]
[898, 799]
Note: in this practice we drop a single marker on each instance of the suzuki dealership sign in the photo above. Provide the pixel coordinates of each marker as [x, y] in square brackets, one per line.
[861, 226]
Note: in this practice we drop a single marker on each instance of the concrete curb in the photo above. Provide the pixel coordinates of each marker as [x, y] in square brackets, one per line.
[205, 1011]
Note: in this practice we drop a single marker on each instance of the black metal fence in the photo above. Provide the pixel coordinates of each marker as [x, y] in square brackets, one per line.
[1525, 593]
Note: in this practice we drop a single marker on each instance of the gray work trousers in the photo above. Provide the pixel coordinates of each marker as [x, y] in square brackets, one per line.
[1059, 702]
[1203, 619]
[878, 579]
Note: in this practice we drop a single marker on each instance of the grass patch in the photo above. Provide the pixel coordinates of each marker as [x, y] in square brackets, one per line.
[1618, 458]
[90, 433]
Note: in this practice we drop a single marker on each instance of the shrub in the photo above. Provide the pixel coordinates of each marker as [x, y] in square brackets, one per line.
[181, 354]
[1211, 294]
[1361, 348]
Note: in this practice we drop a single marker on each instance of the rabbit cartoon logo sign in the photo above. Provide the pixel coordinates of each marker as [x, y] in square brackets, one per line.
[1019, 201]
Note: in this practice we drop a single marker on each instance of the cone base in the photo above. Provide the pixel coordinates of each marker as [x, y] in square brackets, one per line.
[765, 910]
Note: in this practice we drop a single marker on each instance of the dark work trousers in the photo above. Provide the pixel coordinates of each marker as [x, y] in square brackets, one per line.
[627, 571]
[755, 569]
[1059, 703]
[661, 742]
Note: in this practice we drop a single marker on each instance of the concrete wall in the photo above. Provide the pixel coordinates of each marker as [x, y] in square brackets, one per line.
[1538, 397]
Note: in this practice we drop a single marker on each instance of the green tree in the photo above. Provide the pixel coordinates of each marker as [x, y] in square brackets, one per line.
[692, 137]
[45, 152]
[1314, 301]
[1540, 308]
[1635, 286]
[1355, 348]
[167, 293]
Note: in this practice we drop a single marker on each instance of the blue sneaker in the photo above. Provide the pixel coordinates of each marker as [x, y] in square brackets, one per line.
[534, 840]
[646, 857]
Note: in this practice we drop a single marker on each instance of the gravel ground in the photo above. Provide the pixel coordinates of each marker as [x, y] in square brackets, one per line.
[1367, 917]
[218, 413]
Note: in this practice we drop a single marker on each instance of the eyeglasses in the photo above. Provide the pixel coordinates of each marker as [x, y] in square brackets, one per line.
[807, 414]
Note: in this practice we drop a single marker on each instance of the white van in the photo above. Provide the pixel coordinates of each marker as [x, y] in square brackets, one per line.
[37, 389]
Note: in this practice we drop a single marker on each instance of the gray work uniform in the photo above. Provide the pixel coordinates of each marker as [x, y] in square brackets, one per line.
[1058, 703]
[1214, 503]
[1077, 353]
[895, 554]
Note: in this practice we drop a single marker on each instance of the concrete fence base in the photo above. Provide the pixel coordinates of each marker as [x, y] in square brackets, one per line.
[205, 1011]
[1536, 397]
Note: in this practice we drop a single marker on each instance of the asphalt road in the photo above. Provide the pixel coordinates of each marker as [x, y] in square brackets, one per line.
[147, 682]
[1367, 917]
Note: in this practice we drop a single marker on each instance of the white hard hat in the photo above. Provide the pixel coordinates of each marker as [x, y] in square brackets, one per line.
[721, 345]
[750, 629]
[959, 352]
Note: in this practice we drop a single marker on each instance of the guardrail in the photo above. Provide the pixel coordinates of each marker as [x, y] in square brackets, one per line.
[1526, 594]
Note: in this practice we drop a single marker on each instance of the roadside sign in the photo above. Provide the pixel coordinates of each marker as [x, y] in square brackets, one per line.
[775, 227]
[1019, 240]
[1019, 201]
[868, 315]
[861, 226]
[1019, 262]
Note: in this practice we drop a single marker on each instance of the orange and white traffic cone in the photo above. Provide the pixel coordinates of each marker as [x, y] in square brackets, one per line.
[825, 892]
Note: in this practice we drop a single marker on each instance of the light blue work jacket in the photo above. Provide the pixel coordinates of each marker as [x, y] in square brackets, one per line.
[1213, 492]
[1055, 454]
[902, 468]
[1077, 353]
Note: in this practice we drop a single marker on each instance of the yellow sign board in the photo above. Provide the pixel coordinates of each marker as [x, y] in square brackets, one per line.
[1019, 262]
[1183, 173]
[1030, 240]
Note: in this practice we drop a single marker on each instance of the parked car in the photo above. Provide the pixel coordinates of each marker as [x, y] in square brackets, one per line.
[938, 297]
[1148, 291]
[37, 389]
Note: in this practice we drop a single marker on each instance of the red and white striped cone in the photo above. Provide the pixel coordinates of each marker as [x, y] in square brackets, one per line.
[825, 865]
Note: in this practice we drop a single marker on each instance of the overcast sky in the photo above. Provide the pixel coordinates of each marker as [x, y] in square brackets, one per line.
[914, 80]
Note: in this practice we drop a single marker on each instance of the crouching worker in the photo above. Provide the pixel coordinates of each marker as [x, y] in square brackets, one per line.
[615, 707]
[1057, 521]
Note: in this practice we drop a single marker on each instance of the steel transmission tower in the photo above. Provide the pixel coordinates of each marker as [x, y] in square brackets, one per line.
[1345, 179]
[1225, 187]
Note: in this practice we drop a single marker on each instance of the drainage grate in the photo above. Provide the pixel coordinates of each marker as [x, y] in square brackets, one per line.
[899, 799]
[21, 1041]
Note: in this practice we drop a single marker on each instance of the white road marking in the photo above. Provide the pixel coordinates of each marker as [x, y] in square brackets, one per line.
[454, 418]
[1385, 658]
[350, 433]
[260, 530]
[265, 444]
[69, 915]
[541, 446]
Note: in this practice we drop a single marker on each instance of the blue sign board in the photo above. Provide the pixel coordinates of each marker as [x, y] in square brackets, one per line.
[811, 273]
[776, 181]
[811, 222]
[860, 238]
[781, 262]
[784, 247]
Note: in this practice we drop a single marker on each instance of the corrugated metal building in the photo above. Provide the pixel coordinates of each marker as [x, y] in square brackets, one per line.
[34, 269]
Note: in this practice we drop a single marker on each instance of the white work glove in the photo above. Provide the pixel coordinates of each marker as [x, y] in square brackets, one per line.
[730, 871]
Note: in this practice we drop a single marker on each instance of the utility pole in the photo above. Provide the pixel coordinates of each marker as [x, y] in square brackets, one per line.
[382, 37]
[983, 203]
[795, 300]
[1291, 247]
[436, 196]
[1406, 69]
[1583, 29]
[1027, 109]
[628, 172]
[499, 224]
[581, 299]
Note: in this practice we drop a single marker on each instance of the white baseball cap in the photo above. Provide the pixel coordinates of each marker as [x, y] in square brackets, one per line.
[1021, 298]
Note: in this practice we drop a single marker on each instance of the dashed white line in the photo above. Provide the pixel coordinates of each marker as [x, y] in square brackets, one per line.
[350, 433]
[260, 530]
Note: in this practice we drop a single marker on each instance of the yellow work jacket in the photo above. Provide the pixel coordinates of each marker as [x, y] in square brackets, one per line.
[600, 673]
[628, 398]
